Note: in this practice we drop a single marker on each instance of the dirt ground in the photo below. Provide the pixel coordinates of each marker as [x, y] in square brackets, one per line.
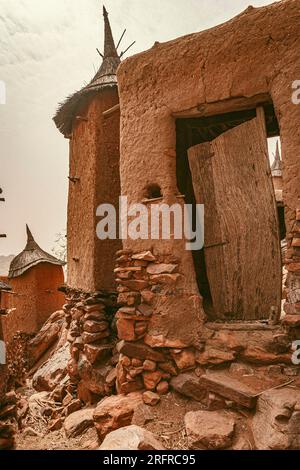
[165, 420]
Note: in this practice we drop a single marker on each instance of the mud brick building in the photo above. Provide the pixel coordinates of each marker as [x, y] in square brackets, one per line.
[196, 113]
[34, 278]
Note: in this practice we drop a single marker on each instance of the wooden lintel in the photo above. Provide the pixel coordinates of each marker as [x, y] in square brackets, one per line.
[223, 106]
[110, 111]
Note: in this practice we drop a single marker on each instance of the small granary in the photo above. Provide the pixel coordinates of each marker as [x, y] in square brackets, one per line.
[91, 119]
[34, 277]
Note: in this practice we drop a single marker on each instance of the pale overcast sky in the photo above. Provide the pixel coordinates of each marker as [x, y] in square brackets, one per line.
[48, 51]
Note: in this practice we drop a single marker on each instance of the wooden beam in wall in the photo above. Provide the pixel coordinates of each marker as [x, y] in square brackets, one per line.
[110, 111]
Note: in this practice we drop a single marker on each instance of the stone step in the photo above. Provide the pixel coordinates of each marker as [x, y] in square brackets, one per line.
[230, 388]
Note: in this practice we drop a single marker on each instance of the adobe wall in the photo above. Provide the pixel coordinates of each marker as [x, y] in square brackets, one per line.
[251, 57]
[35, 297]
[94, 158]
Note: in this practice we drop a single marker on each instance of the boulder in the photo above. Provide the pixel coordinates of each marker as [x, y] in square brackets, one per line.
[188, 384]
[131, 438]
[210, 430]
[53, 371]
[276, 423]
[46, 337]
[93, 376]
[77, 423]
[115, 412]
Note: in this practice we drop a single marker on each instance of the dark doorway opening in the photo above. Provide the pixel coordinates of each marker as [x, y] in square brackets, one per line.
[197, 130]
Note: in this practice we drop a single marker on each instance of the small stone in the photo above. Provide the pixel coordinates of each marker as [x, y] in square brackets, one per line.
[89, 338]
[135, 372]
[136, 362]
[126, 330]
[151, 379]
[162, 388]
[168, 367]
[149, 365]
[240, 369]
[95, 353]
[135, 285]
[145, 310]
[129, 298]
[147, 296]
[161, 268]
[95, 308]
[140, 351]
[168, 279]
[55, 424]
[185, 359]
[144, 256]
[73, 406]
[125, 361]
[151, 398]
[111, 377]
[95, 327]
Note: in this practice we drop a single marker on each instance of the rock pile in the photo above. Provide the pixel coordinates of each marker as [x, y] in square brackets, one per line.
[91, 337]
[292, 262]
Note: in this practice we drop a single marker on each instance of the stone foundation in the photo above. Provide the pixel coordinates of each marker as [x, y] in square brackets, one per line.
[90, 324]
[292, 262]
[146, 363]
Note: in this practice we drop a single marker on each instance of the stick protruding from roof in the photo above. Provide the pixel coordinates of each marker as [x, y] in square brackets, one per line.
[104, 78]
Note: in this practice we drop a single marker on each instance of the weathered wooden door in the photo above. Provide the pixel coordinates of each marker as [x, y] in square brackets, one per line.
[232, 178]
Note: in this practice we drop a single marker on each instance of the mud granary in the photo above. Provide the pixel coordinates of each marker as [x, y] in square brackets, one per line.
[31, 295]
[187, 122]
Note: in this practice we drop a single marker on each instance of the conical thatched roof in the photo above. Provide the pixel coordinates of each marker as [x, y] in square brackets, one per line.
[29, 257]
[105, 77]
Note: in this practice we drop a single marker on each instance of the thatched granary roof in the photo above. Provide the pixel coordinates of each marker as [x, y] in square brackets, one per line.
[29, 257]
[105, 77]
[276, 167]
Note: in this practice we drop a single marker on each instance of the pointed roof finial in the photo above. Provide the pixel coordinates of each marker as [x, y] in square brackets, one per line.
[109, 43]
[276, 167]
[29, 234]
